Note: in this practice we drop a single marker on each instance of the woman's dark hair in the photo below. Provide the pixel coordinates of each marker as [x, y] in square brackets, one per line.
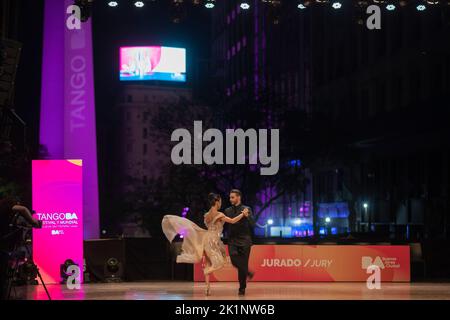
[213, 198]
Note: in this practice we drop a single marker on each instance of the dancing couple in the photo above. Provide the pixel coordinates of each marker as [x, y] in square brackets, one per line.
[199, 243]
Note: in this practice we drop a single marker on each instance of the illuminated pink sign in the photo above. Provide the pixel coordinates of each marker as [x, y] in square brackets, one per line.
[67, 124]
[58, 202]
[153, 63]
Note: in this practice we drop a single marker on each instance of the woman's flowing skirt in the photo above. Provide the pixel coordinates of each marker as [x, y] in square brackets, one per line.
[193, 237]
[196, 241]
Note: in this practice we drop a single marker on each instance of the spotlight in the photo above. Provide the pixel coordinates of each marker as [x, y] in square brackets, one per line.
[297, 221]
[327, 219]
[270, 221]
[210, 4]
[303, 4]
[113, 270]
[379, 1]
[365, 205]
[390, 7]
[139, 4]
[336, 5]
[421, 7]
[244, 5]
[113, 4]
[433, 2]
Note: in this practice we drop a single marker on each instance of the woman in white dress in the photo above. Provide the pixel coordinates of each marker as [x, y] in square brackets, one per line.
[198, 242]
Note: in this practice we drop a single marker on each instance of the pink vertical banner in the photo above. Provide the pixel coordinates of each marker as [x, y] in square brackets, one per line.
[80, 139]
[57, 187]
[67, 124]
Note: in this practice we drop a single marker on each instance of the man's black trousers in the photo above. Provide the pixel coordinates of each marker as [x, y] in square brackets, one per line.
[239, 258]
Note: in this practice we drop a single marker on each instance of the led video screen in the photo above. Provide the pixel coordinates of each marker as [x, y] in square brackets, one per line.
[152, 63]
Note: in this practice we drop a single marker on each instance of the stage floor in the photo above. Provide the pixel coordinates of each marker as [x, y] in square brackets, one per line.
[228, 291]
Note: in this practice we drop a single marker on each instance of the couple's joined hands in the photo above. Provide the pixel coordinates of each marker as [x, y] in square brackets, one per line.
[245, 212]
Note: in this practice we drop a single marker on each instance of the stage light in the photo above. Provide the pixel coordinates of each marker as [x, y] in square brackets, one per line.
[327, 219]
[303, 4]
[270, 222]
[113, 270]
[421, 7]
[244, 5]
[139, 4]
[210, 4]
[297, 221]
[390, 7]
[365, 205]
[433, 2]
[113, 3]
[336, 5]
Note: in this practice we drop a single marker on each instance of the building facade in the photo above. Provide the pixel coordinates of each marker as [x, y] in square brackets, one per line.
[375, 102]
[142, 156]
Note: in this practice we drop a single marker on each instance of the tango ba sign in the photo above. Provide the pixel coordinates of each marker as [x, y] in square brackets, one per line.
[320, 263]
[57, 200]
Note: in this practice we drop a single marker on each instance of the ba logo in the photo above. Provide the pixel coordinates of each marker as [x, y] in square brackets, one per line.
[71, 216]
[73, 21]
[368, 261]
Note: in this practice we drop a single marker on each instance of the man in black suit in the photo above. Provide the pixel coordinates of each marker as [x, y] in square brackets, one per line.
[240, 238]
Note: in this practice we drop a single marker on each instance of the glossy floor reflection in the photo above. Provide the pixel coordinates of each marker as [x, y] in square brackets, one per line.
[228, 291]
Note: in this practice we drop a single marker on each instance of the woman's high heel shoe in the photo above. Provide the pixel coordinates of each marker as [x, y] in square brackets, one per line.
[208, 290]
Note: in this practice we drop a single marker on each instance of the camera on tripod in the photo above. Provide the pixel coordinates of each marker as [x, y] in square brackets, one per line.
[15, 251]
